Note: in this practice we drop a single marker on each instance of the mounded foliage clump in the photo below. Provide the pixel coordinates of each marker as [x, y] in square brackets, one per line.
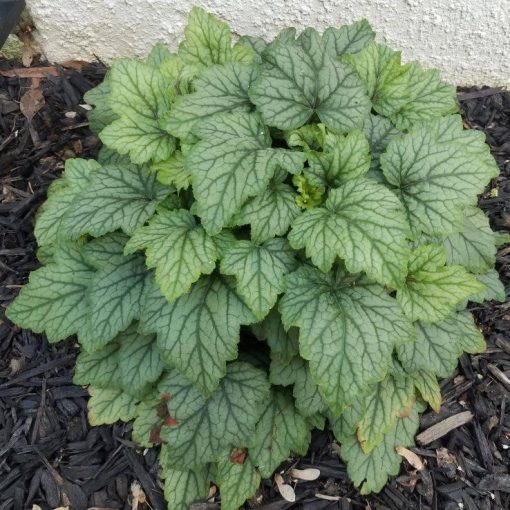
[274, 236]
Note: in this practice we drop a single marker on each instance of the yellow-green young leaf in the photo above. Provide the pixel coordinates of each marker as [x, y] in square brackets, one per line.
[437, 169]
[301, 79]
[206, 427]
[259, 271]
[106, 406]
[116, 197]
[140, 97]
[310, 137]
[344, 158]
[179, 249]
[172, 171]
[438, 346]
[233, 162]
[199, 332]
[391, 399]
[61, 197]
[429, 97]
[371, 471]
[218, 90]
[280, 432]
[427, 385]
[159, 54]
[101, 115]
[238, 480]
[178, 74]
[207, 40]
[406, 94]
[348, 329]
[494, 289]
[185, 487]
[283, 344]
[432, 290]
[147, 424]
[385, 78]
[348, 38]
[115, 294]
[54, 299]
[474, 247]
[271, 213]
[363, 223]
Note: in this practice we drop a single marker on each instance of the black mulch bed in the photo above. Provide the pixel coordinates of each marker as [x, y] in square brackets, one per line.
[49, 456]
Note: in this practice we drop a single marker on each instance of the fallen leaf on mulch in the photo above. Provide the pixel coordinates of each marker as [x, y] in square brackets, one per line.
[286, 491]
[308, 474]
[31, 102]
[411, 457]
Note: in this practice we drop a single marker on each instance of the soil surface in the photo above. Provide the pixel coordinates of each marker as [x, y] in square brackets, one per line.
[51, 457]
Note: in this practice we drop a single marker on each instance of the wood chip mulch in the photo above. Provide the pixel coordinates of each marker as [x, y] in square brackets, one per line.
[51, 457]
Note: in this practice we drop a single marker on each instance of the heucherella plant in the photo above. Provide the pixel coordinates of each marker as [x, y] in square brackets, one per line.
[273, 235]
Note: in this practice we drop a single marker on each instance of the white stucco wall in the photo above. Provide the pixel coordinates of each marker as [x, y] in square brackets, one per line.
[469, 40]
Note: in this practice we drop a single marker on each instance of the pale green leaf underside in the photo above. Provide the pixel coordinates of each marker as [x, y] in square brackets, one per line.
[437, 170]
[432, 289]
[199, 332]
[237, 482]
[280, 432]
[116, 197]
[225, 420]
[259, 271]
[363, 223]
[139, 96]
[371, 471]
[296, 83]
[347, 330]
[438, 346]
[107, 406]
[233, 162]
[177, 247]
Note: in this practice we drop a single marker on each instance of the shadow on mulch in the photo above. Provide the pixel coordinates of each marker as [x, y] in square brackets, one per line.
[51, 457]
